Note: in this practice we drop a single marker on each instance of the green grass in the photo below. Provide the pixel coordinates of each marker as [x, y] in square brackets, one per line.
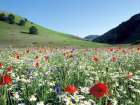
[17, 36]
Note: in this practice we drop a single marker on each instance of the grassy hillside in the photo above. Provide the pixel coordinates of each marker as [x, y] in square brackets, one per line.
[127, 32]
[17, 36]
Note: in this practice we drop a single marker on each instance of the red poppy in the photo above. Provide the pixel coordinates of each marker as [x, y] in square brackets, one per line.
[71, 89]
[7, 80]
[1, 81]
[37, 64]
[1, 84]
[36, 57]
[95, 58]
[130, 75]
[99, 90]
[46, 59]
[111, 49]
[17, 55]
[1, 65]
[114, 59]
[10, 69]
[27, 50]
[124, 51]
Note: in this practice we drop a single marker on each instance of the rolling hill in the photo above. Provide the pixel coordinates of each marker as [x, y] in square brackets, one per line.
[91, 37]
[127, 32]
[17, 36]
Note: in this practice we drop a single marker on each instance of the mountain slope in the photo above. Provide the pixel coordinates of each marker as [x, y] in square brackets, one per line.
[17, 36]
[126, 32]
[91, 37]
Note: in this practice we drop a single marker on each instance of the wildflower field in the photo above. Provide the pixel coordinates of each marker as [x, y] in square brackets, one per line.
[46, 76]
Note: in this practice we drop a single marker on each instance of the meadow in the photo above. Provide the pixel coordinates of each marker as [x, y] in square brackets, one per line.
[69, 76]
[18, 36]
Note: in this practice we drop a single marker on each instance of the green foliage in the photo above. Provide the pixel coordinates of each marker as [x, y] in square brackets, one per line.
[11, 19]
[2, 17]
[33, 30]
[22, 22]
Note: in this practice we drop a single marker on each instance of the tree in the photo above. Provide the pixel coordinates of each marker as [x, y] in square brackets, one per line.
[22, 22]
[11, 19]
[2, 17]
[33, 30]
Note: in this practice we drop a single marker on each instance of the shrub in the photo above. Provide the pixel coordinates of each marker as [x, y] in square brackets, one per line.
[22, 22]
[26, 19]
[11, 19]
[2, 17]
[33, 30]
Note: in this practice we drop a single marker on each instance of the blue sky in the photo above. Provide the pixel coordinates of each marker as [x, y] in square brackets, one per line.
[78, 17]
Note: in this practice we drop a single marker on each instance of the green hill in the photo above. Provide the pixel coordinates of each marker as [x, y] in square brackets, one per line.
[17, 36]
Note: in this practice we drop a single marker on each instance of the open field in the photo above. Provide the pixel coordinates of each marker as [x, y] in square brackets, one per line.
[46, 76]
